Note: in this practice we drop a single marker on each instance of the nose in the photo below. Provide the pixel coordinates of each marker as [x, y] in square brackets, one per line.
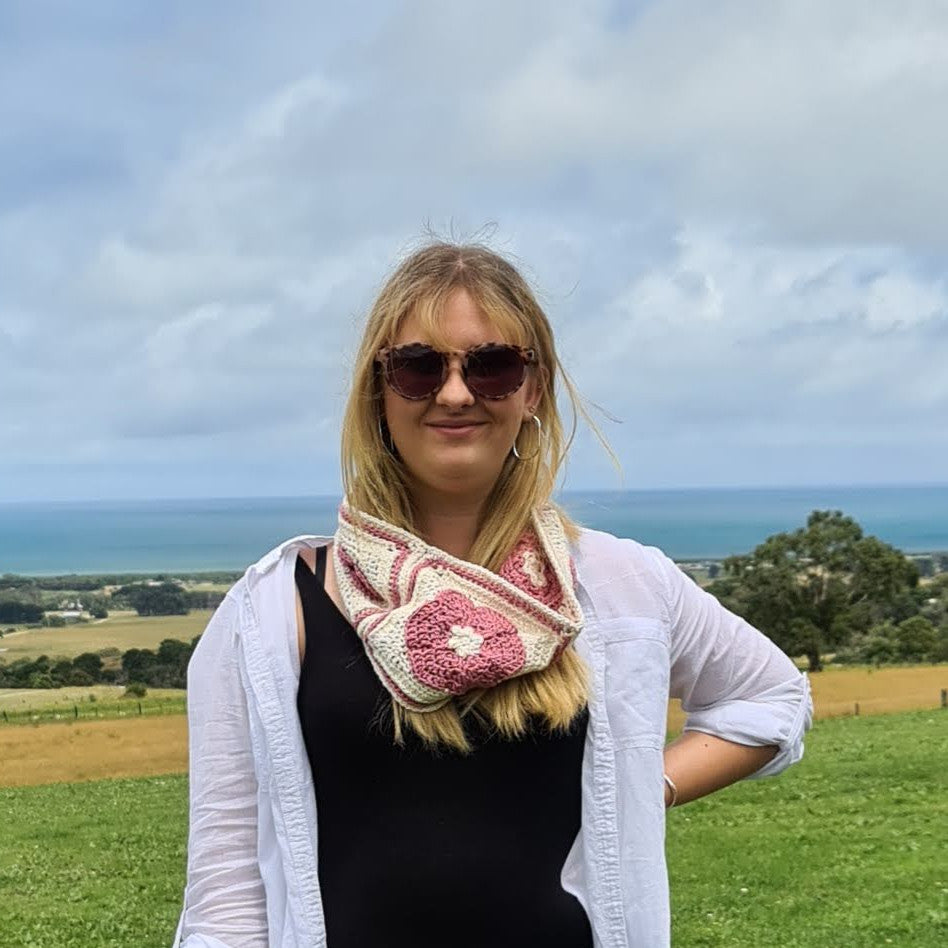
[454, 393]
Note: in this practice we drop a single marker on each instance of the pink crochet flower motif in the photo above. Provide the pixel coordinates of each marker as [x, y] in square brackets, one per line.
[454, 646]
[528, 569]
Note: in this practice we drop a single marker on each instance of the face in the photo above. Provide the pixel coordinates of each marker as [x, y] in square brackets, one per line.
[453, 441]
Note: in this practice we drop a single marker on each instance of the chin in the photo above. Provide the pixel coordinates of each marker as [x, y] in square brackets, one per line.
[457, 475]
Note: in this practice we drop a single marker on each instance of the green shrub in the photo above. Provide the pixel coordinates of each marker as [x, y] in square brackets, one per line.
[939, 652]
[916, 639]
[42, 680]
[90, 663]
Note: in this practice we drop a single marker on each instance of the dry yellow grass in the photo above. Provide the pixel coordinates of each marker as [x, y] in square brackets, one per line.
[123, 632]
[877, 690]
[93, 750]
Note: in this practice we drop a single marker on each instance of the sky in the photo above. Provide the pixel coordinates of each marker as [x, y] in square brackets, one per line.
[734, 214]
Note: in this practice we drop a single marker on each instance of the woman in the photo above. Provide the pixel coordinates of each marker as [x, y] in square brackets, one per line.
[456, 705]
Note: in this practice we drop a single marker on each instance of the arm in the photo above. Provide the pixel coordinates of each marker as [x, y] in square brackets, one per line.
[747, 704]
[699, 764]
[225, 902]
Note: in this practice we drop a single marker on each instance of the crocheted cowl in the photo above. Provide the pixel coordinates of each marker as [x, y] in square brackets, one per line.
[435, 626]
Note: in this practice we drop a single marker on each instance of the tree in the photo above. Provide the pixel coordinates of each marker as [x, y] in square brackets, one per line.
[879, 646]
[137, 664]
[17, 610]
[166, 676]
[204, 599]
[97, 605]
[940, 651]
[19, 671]
[175, 653]
[818, 586]
[90, 663]
[163, 599]
[915, 639]
[172, 668]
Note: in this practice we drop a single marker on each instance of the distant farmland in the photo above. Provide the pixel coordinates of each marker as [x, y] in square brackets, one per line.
[122, 631]
[137, 746]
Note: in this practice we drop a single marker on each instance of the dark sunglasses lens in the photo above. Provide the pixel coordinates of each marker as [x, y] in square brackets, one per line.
[495, 371]
[415, 371]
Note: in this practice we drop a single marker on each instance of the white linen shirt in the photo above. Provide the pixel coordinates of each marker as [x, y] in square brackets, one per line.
[650, 633]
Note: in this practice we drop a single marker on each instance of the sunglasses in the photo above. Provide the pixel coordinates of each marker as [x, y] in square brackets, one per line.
[493, 370]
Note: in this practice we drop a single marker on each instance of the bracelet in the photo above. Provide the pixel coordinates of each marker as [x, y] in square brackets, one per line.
[674, 790]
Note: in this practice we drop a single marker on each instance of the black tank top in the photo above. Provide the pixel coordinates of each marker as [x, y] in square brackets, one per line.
[428, 849]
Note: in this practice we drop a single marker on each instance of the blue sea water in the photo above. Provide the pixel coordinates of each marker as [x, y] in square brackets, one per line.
[192, 535]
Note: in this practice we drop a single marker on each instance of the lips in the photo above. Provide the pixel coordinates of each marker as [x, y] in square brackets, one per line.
[454, 424]
[455, 429]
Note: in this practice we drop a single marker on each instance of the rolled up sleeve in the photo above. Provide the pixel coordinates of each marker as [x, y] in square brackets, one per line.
[224, 900]
[732, 680]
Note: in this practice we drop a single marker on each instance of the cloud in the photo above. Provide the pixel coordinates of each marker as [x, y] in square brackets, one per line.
[811, 121]
[816, 344]
[732, 212]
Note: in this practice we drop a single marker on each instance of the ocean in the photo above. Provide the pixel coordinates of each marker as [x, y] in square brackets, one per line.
[193, 535]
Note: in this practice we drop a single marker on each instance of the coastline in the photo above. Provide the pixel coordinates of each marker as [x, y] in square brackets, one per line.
[224, 535]
[217, 575]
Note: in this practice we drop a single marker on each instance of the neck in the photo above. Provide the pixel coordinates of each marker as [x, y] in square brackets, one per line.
[449, 522]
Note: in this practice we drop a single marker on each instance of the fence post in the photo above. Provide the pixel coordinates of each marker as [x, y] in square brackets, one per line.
[857, 709]
[139, 708]
[7, 720]
[75, 709]
[944, 697]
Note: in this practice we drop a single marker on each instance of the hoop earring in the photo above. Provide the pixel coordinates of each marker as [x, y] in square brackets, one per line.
[389, 444]
[536, 453]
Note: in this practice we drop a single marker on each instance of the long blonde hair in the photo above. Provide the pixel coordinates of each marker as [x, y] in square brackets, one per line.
[375, 480]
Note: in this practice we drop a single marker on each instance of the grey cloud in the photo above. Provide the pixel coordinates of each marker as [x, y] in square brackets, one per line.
[812, 121]
[768, 346]
[725, 210]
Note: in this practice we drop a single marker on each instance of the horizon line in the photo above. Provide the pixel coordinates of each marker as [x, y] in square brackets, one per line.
[919, 485]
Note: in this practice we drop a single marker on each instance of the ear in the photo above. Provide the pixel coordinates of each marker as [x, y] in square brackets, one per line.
[534, 387]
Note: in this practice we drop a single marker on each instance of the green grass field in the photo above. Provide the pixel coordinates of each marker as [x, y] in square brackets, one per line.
[64, 699]
[845, 850]
[174, 702]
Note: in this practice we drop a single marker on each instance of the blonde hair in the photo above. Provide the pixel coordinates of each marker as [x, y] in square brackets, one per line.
[375, 480]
